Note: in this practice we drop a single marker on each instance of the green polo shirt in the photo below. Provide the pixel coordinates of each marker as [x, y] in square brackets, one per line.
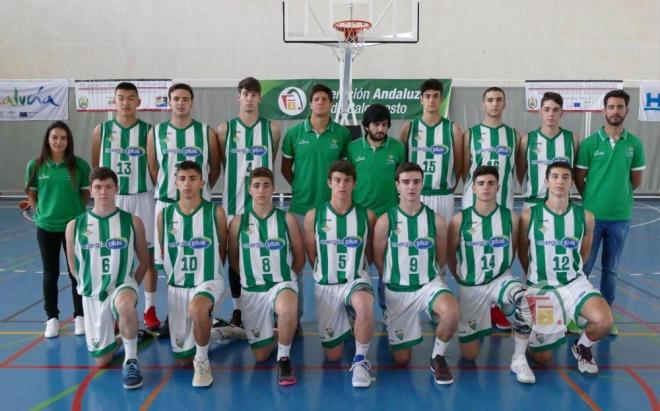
[376, 169]
[58, 200]
[312, 155]
[608, 192]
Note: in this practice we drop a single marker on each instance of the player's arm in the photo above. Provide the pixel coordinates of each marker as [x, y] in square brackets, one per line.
[369, 246]
[440, 241]
[580, 177]
[635, 178]
[287, 169]
[221, 227]
[69, 234]
[276, 136]
[297, 248]
[457, 140]
[310, 236]
[214, 158]
[466, 155]
[233, 247]
[221, 133]
[588, 237]
[159, 232]
[521, 162]
[32, 198]
[140, 249]
[523, 240]
[453, 242]
[514, 233]
[96, 146]
[403, 137]
[381, 230]
[152, 162]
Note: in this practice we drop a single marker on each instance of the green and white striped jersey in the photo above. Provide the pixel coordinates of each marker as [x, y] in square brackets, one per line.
[246, 148]
[493, 147]
[541, 152]
[174, 145]
[264, 251]
[554, 245]
[486, 249]
[340, 244]
[432, 147]
[105, 252]
[410, 255]
[124, 150]
[191, 246]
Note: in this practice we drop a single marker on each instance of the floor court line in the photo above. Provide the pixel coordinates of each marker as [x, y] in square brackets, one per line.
[636, 318]
[28, 347]
[585, 397]
[653, 400]
[31, 305]
[154, 393]
[82, 387]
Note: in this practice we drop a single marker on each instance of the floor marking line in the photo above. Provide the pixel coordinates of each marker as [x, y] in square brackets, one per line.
[80, 392]
[645, 387]
[647, 222]
[24, 309]
[153, 394]
[636, 318]
[28, 347]
[585, 397]
[48, 402]
[637, 288]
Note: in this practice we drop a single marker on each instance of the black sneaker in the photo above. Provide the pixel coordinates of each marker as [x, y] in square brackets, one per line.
[285, 372]
[585, 361]
[236, 319]
[440, 370]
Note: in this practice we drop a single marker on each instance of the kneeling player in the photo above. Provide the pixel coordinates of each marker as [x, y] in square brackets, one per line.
[265, 247]
[338, 243]
[409, 246]
[192, 235]
[483, 238]
[555, 237]
[101, 248]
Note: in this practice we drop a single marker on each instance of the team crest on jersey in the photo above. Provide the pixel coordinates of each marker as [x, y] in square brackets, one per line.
[255, 332]
[326, 227]
[330, 332]
[472, 324]
[237, 136]
[424, 243]
[173, 230]
[250, 229]
[390, 160]
[542, 228]
[399, 333]
[570, 242]
[397, 229]
[112, 136]
[334, 145]
[88, 231]
[420, 135]
[179, 341]
[540, 338]
[96, 342]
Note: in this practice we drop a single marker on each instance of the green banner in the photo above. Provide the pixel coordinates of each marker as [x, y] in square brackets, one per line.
[288, 99]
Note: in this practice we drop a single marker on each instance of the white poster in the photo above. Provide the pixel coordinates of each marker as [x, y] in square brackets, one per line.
[579, 95]
[97, 95]
[22, 100]
[649, 101]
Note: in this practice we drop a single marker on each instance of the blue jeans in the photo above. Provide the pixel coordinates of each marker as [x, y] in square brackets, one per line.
[612, 233]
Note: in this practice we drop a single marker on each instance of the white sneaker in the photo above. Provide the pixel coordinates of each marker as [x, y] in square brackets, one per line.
[202, 376]
[524, 374]
[79, 325]
[361, 376]
[52, 328]
[586, 362]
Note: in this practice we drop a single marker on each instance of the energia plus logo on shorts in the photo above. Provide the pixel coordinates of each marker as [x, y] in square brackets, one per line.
[292, 101]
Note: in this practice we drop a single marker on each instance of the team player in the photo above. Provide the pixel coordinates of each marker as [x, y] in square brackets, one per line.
[482, 243]
[246, 142]
[192, 235]
[543, 146]
[339, 245]
[266, 248]
[409, 247]
[435, 143]
[102, 244]
[555, 238]
[179, 139]
[121, 145]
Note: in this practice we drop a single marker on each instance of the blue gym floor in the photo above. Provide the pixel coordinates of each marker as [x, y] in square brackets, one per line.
[59, 374]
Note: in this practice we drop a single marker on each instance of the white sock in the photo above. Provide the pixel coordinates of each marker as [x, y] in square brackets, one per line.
[283, 350]
[149, 300]
[130, 349]
[236, 302]
[202, 352]
[362, 349]
[520, 346]
[584, 340]
[439, 347]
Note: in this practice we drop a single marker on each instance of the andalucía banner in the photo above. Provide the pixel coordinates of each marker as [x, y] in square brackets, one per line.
[288, 99]
[22, 100]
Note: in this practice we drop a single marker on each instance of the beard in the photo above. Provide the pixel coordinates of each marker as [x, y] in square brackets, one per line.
[615, 120]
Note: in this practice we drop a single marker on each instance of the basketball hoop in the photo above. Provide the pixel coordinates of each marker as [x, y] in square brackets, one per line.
[352, 29]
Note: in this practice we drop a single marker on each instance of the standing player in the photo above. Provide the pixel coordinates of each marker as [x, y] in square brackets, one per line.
[543, 146]
[482, 243]
[246, 142]
[339, 245]
[266, 248]
[121, 145]
[555, 237]
[435, 143]
[409, 246]
[179, 139]
[192, 235]
[101, 247]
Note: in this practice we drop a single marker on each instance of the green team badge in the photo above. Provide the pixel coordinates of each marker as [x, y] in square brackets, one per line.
[472, 324]
[255, 332]
[334, 145]
[179, 341]
[330, 332]
[399, 334]
[540, 338]
[96, 342]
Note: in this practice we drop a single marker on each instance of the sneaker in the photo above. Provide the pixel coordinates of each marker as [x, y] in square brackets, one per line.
[52, 328]
[524, 374]
[614, 330]
[573, 328]
[236, 319]
[79, 325]
[440, 370]
[586, 362]
[131, 377]
[360, 370]
[498, 319]
[285, 374]
[202, 376]
[151, 321]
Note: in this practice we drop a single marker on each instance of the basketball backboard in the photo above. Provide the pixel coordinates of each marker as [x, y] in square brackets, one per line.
[311, 21]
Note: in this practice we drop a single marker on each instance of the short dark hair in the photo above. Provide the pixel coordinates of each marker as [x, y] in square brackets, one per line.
[189, 165]
[552, 96]
[320, 88]
[376, 113]
[616, 93]
[103, 173]
[489, 89]
[126, 85]
[431, 84]
[249, 84]
[407, 167]
[180, 86]
[262, 172]
[485, 170]
[344, 167]
[559, 164]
